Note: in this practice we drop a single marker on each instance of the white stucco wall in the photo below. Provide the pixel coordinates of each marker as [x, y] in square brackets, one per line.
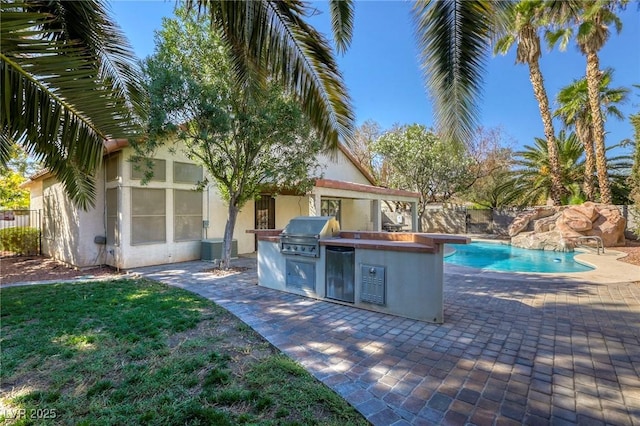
[72, 238]
[356, 215]
[127, 255]
[35, 194]
[341, 168]
[76, 229]
[217, 213]
[290, 206]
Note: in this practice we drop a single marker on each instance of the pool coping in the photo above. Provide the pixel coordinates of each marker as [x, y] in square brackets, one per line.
[608, 269]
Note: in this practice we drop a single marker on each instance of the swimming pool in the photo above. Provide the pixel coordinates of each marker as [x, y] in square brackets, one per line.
[506, 258]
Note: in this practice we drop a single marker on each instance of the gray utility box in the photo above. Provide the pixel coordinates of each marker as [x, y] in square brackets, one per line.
[211, 250]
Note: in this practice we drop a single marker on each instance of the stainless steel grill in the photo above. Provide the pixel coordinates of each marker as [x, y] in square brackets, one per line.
[302, 234]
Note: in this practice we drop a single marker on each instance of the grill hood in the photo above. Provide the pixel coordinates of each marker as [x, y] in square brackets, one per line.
[313, 226]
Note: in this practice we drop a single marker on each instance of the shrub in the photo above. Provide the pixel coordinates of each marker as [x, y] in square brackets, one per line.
[22, 240]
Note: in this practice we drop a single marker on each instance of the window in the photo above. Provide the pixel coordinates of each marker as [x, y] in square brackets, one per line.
[112, 167]
[148, 216]
[158, 168]
[187, 217]
[113, 231]
[186, 173]
[330, 208]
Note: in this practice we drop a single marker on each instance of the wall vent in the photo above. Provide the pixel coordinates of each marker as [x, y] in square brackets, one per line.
[373, 286]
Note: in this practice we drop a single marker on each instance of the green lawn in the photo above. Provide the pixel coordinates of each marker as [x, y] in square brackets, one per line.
[140, 352]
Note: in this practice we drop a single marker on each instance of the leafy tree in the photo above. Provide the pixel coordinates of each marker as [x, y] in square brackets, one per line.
[19, 167]
[361, 147]
[493, 159]
[421, 161]
[12, 197]
[526, 19]
[575, 111]
[68, 83]
[244, 138]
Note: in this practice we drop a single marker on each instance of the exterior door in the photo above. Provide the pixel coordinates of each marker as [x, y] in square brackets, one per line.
[265, 214]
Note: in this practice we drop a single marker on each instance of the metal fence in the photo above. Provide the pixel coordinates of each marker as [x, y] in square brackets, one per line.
[20, 233]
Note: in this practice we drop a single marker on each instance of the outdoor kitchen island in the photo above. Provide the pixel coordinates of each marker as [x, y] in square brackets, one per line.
[398, 273]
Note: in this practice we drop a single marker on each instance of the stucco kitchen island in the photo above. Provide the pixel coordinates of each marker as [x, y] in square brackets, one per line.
[394, 273]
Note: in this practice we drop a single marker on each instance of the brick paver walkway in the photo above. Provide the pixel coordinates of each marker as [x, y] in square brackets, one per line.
[511, 351]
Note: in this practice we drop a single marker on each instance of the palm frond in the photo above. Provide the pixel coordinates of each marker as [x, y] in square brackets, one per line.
[342, 23]
[454, 38]
[46, 126]
[68, 83]
[271, 38]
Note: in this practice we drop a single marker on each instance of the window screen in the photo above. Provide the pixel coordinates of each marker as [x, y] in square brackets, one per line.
[148, 216]
[187, 220]
[330, 208]
[186, 173]
[113, 231]
[158, 167]
[112, 167]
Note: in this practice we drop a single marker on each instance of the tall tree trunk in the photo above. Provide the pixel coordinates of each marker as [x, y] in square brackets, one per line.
[232, 213]
[421, 209]
[593, 84]
[537, 82]
[584, 133]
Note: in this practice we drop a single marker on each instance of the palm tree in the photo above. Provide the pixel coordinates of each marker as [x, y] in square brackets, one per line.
[453, 38]
[272, 36]
[531, 179]
[575, 111]
[267, 37]
[68, 84]
[593, 33]
[526, 19]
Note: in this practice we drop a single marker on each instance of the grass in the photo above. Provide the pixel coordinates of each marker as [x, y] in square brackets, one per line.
[140, 352]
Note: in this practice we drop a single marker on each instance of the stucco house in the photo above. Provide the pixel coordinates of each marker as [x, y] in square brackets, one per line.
[164, 221]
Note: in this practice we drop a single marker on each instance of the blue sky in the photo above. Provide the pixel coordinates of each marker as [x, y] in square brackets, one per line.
[382, 73]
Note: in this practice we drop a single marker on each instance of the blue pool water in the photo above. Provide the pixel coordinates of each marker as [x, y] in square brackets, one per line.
[505, 258]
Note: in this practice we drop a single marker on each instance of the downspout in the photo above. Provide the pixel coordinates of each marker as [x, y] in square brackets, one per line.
[104, 214]
[208, 221]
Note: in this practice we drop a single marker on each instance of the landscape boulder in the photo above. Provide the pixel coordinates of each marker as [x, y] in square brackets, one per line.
[523, 221]
[560, 228]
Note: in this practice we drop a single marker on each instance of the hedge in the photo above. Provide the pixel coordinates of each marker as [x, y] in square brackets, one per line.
[21, 240]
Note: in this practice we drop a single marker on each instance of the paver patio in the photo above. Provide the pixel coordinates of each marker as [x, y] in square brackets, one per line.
[511, 351]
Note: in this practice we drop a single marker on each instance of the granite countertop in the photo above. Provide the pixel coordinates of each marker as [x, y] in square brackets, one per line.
[390, 241]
